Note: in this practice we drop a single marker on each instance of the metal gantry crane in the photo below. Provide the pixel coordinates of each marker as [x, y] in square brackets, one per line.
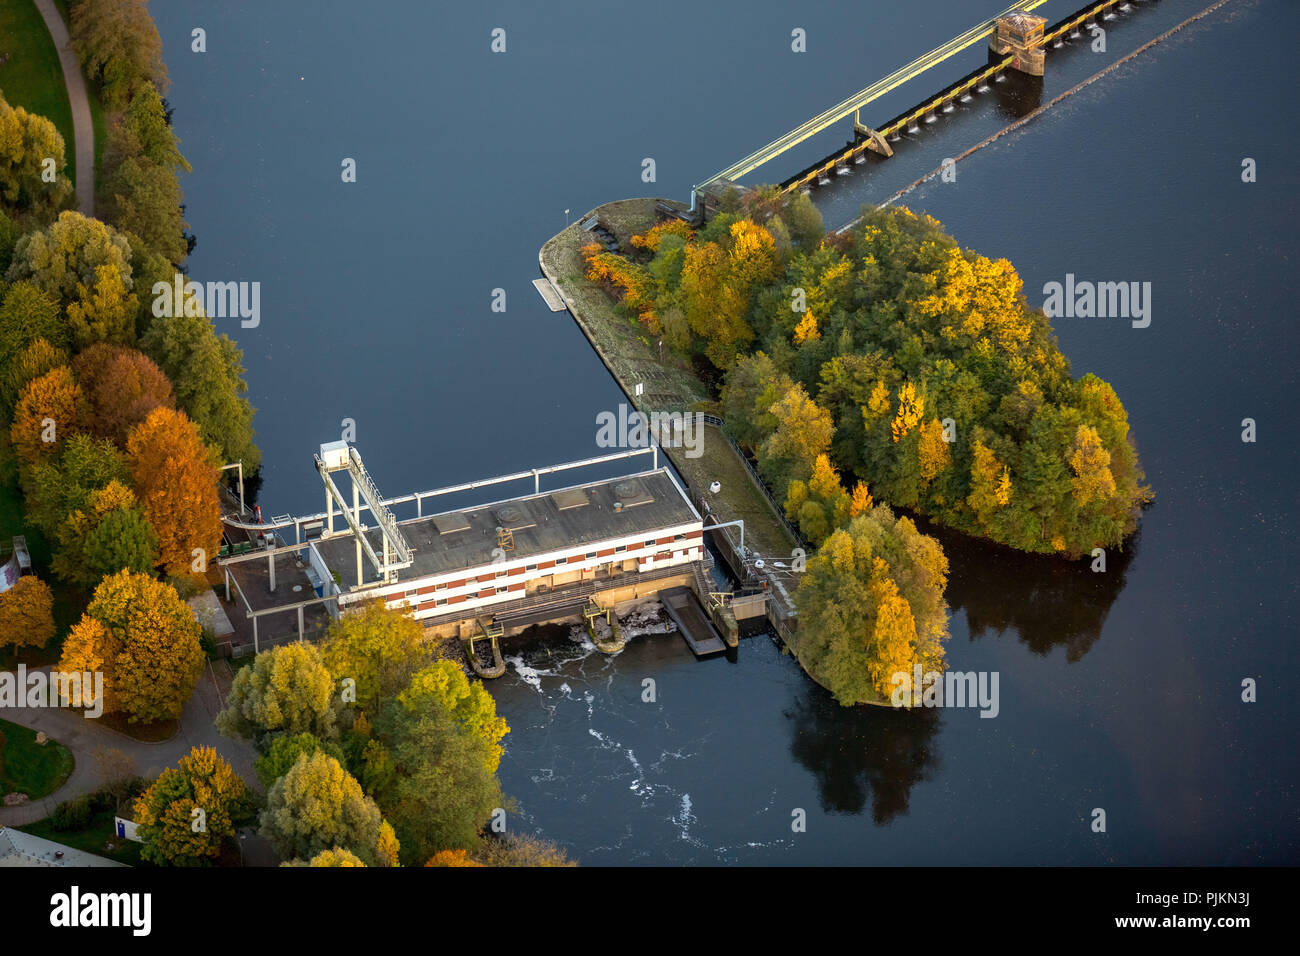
[340, 456]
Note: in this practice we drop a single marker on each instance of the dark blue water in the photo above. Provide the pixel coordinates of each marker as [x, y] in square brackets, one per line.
[1118, 691]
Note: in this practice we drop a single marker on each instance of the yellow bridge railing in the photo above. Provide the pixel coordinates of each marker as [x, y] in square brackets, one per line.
[864, 145]
[871, 93]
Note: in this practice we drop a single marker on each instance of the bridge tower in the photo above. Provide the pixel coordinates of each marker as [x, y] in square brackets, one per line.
[1022, 35]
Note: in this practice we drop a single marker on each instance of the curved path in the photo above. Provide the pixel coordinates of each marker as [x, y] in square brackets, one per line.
[84, 736]
[83, 129]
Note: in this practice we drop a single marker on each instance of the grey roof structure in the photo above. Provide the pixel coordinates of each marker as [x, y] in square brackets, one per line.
[23, 849]
[540, 524]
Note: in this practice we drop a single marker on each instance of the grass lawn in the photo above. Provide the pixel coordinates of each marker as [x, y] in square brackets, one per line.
[32, 77]
[98, 837]
[28, 767]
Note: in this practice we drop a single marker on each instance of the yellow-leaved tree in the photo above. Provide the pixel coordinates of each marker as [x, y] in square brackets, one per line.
[911, 407]
[26, 613]
[287, 691]
[145, 639]
[932, 450]
[1091, 463]
[191, 810]
[104, 312]
[871, 606]
[378, 649]
[803, 431]
[819, 505]
[319, 806]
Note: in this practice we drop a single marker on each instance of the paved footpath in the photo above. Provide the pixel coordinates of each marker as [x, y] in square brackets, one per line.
[83, 130]
[83, 736]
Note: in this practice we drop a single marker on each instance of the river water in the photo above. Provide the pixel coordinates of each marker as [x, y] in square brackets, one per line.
[1119, 691]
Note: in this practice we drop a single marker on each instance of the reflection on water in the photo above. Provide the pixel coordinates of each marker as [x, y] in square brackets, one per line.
[1047, 602]
[1018, 94]
[861, 753]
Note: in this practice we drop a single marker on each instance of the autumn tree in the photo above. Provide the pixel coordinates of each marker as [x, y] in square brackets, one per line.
[1091, 463]
[451, 858]
[119, 48]
[59, 487]
[26, 613]
[64, 259]
[379, 649]
[336, 857]
[122, 387]
[207, 372]
[145, 639]
[50, 409]
[33, 361]
[515, 849]
[190, 810]
[287, 691]
[28, 313]
[285, 751]
[715, 308]
[111, 534]
[803, 432]
[103, 311]
[932, 450]
[989, 484]
[819, 505]
[29, 144]
[871, 606]
[177, 486]
[319, 806]
[861, 501]
[444, 737]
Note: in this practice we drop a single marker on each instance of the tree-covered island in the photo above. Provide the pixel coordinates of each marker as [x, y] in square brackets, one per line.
[883, 368]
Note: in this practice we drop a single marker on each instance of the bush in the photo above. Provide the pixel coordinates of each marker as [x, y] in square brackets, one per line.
[73, 814]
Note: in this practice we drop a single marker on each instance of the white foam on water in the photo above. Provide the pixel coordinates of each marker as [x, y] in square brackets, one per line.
[529, 675]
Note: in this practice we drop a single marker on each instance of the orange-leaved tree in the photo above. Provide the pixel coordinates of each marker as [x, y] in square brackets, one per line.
[177, 487]
[145, 639]
[26, 614]
[122, 387]
[50, 408]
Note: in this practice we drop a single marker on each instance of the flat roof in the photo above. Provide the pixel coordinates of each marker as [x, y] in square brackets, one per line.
[541, 524]
[22, 849]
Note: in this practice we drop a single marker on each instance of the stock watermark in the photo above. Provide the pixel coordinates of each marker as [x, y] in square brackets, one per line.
[216, 300]
[1101, 300]
[629, 428]
[73, 909]
[949, 689]
[76, 690]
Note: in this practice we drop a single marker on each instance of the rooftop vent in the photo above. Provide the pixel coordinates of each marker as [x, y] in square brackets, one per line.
[446, 524]
[513, 517]
[570, 498]
[631, 493]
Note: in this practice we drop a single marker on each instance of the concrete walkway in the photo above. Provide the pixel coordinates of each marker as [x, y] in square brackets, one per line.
[83, 736]
[83, 130]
